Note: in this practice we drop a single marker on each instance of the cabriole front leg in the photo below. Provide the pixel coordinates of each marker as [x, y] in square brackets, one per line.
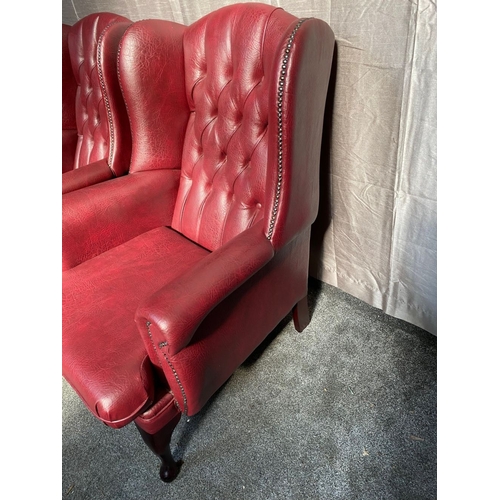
[159, 444]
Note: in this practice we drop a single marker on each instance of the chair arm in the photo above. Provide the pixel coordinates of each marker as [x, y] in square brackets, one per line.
[103, 216]
[168, 319]
[90, 174]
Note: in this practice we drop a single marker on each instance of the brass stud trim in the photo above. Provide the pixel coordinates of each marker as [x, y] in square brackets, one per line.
[279, 112]
[161, 345]
[105, 95]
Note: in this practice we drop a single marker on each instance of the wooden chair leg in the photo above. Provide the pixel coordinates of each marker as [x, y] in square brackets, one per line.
[300, 313]
[159, 444]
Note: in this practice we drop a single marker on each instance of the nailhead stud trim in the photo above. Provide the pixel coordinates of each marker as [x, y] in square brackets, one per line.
[164, 344]
[279, 112]
[105, 95]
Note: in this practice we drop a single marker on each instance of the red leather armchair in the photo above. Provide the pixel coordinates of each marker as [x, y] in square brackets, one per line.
[226, 118]
[95, 121]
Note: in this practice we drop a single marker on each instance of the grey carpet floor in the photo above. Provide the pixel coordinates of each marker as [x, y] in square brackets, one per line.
[346, 409]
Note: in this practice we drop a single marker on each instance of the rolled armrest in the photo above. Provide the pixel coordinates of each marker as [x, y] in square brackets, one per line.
[88, 175]
[169, 317]
[106, 215]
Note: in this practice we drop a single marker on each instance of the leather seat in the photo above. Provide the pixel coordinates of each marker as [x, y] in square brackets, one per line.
[138, 266]
[103, 143]
[197, 254]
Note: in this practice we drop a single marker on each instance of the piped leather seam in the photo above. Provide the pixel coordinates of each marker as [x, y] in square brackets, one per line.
[118, 74]
[279, 114]
[264, 35]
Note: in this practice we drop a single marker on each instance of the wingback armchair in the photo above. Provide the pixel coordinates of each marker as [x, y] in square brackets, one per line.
[95, 124]
[226, 117]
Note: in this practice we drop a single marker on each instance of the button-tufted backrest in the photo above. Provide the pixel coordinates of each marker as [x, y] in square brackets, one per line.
[93, 107]
[256, 82]
[229, 57]
[234, 101]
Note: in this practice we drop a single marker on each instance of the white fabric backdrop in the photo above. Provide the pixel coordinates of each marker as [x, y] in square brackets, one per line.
[375, 236]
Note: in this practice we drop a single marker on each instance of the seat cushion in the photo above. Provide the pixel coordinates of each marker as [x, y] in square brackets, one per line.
[104, 358]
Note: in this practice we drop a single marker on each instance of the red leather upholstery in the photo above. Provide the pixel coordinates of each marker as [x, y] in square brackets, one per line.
[229, 316]
[222, 187]
[151, 65]
[101, 119]
[104, 357]
[179, 281]
[105, 215]
[102, 218]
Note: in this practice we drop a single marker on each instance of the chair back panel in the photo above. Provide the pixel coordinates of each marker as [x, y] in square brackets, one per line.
[91, 113]
[227, 64]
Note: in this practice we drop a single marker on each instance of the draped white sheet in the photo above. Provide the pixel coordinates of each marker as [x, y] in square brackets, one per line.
[375, 236]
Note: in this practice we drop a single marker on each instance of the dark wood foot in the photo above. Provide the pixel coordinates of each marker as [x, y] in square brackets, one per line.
[300, 313]
[159, 444]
